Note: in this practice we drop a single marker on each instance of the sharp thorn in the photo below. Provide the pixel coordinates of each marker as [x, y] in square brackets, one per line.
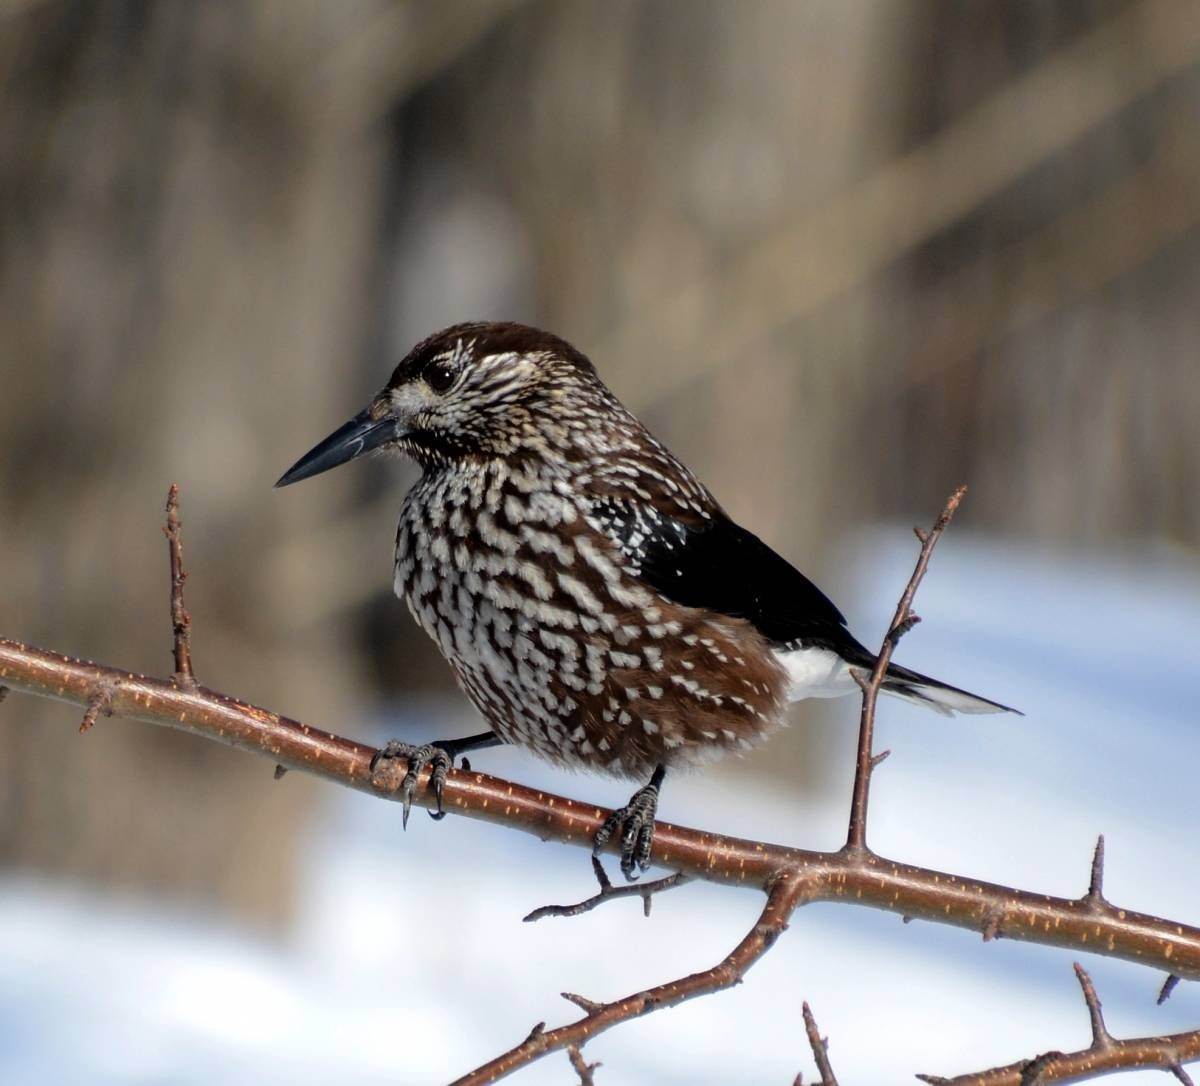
[1167, 988]
[1096, 882]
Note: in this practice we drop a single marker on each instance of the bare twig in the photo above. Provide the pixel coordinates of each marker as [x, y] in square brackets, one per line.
[644, 890]
[1101, 1039]
[1105, 1055]
[902, 622]
[782, 899]
[585, 1071]
[820, 1049]
[181, 621]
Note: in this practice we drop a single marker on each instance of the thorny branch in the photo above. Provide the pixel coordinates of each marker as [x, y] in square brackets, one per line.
[791, 877]
[782, 898]
[1103, 1056]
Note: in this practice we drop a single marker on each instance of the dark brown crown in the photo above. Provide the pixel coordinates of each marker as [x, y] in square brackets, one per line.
[484, 338]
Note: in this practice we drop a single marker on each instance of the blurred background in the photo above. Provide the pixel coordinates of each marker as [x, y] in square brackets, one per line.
[840, 255]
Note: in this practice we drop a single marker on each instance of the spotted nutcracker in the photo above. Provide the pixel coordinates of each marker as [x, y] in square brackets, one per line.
[595, 602]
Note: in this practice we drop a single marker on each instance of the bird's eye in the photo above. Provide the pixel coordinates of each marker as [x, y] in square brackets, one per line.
[439, 376]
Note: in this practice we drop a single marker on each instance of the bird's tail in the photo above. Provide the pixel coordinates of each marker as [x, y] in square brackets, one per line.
[941, 697]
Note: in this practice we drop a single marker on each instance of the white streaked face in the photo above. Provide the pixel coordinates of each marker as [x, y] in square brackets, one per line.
[454, 390]
[457, 401]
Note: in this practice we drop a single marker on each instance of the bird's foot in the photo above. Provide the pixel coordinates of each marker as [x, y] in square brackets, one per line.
[636, 822]
[434, 756]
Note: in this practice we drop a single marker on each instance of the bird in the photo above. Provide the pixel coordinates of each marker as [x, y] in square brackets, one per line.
[594, 600]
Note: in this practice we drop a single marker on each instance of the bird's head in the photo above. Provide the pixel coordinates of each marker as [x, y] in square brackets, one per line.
[478, 390]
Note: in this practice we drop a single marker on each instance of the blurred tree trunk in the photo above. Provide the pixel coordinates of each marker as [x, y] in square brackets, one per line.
[190, 200]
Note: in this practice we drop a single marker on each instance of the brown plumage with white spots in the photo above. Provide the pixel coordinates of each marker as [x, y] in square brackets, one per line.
[594, 601]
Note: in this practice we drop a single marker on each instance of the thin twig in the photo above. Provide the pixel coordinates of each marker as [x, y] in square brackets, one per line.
[181, 621]
[820, 1049]
[1103, 1056]
[644, 890]
[856, 835]
[585, 1071]
[1101, 1039]
[782, 900]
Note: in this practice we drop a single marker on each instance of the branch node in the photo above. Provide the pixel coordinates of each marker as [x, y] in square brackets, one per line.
[902, 627]
[882, 756]
[991, 929]
[536, 1032]
[1034, 1072]
[181, 621]
[100, 702]
[584, 1070]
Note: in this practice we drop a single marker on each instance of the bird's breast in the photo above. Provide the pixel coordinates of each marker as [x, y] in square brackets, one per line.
[557, 642]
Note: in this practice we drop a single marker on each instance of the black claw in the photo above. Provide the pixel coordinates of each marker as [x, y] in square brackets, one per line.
[418, 758]
[636, 822]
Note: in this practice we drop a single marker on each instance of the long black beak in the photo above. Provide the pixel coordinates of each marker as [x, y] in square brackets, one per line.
[360, 435]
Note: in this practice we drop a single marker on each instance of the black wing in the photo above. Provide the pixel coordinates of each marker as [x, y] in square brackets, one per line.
[718, 565]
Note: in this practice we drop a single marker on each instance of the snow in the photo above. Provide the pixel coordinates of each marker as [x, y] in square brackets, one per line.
[409, 963]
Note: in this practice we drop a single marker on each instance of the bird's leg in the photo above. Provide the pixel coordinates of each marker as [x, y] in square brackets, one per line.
[439, 755]
[636, 822]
